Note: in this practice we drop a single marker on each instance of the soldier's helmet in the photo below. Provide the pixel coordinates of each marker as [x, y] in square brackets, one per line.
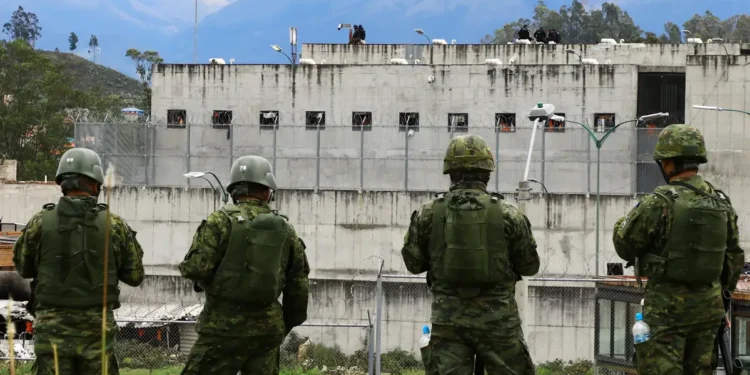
[468, 152]
[81, 161]
[253, 169]
[681, 141]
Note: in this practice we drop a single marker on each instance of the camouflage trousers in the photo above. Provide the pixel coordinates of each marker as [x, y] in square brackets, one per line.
[75, 355]
[453, 350]
[679, 350]
[217, 355]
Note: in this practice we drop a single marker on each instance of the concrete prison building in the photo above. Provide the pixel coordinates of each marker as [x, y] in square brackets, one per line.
[357, 141]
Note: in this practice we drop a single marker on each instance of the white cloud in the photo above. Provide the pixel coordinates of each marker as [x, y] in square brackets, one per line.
[178, 10]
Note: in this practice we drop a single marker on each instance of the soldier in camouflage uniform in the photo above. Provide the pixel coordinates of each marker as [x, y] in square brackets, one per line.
[62, 248]
[684, 238]
[244, 256]
[474, 247]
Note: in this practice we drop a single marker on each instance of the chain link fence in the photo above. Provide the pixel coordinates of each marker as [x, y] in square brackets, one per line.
[572, 326]
[383, 157]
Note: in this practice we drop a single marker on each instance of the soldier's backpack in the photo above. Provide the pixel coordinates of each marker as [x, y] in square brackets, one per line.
[468, 244]
[698, 240]
[253, 268]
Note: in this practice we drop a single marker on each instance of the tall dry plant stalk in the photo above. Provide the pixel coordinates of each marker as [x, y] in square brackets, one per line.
[57, 365]
[11, 333]
[109, 180]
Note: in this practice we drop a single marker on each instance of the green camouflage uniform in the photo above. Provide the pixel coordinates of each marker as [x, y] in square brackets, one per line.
[76, 332]
[485, 323]
[684, 319]
[237, 336]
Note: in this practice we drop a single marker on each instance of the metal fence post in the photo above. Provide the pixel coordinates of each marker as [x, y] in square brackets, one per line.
[544, 153]
[361, 157]
[187, 163]
[379, 318]
[275, 128]
[370, 346]
[317, 160]
[406, 158]
[497, 158]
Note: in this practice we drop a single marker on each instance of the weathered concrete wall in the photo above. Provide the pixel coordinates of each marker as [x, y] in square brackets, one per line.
[578, 92]
[723, 81]
[343, 230]
[648, 54]
[8, 170]
[559, 321]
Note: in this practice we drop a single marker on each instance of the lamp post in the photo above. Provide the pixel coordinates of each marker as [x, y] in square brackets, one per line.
[224, 195]
[599, 142]
[719, 109]
[580, 58]
[421, 32]
[278, 49]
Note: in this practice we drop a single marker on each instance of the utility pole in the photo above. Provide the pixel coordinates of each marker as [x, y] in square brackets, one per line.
[195, 35]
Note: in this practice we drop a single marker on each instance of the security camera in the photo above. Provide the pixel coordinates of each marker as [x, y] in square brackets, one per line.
[431, 79]
[339, 27]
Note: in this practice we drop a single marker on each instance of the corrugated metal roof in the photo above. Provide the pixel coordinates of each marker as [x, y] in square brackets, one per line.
[143, 314]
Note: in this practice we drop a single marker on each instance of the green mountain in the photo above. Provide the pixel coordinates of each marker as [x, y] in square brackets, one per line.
[88, 76]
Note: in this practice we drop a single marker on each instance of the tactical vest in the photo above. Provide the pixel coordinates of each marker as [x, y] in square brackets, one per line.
[253, 268]
[694, 251]
[71, 264]
[468, 247]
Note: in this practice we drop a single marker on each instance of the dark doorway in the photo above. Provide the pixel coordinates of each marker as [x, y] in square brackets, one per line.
[657, 92]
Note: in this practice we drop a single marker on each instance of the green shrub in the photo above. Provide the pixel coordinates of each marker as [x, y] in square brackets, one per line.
[558, 367]
[134, 354]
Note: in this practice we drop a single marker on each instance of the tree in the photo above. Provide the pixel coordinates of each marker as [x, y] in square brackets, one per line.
[93, 46]
[708, 26]
[73, 40]
[144, 63]
[37, 93]
[673, 32]
[23, 26]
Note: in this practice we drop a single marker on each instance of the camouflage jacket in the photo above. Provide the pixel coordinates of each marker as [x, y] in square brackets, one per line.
[646, 228]
[495, 307]
[78, 322]
[226, 318]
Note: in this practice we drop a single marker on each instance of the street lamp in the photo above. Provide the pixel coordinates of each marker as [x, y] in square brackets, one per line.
[546, 193]
[580, 58]
[224, 195]
[540, 112]
[421, 32]
[599, 143]
[719, 109]
[278, 49]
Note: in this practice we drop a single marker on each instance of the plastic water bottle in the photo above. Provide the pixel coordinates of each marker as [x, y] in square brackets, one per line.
[425, 340]
[641, 330]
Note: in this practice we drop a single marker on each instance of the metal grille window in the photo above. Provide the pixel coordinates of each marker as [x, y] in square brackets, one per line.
[555, 125]
[505, 122]
[603, 122]
[408, 121]
[458, 122]
[269, 119]
[315, 120]
[221, 119]
[176, 118]
[361, 121]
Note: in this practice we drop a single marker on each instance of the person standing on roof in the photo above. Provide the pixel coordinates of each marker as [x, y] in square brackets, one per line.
[63, 248]
[244, 256]
[524, 33]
